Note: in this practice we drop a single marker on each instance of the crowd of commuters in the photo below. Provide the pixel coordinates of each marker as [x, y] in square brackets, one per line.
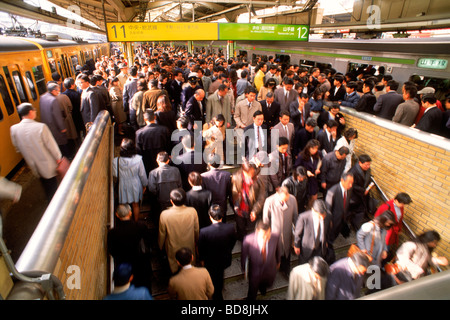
[175, 115]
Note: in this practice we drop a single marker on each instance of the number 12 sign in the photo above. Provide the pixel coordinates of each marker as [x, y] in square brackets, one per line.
[256, 31]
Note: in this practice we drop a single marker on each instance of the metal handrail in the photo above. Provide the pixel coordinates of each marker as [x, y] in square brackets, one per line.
[44, 247]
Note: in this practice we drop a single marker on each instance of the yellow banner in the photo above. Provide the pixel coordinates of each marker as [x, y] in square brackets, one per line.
[161, 31]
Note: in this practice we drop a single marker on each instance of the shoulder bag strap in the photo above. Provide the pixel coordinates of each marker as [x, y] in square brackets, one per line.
[373, 238]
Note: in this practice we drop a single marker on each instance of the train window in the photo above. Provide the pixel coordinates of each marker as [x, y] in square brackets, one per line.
[61, 70]
[283, 58]
[358, 68]
[69, 71]
[52, 65]
[6, 97]
[243, 54]
[19, 85]
[314, 64]
[31, 85]
[257, 57]
[40, 79]
[74, 60]
[11, 86]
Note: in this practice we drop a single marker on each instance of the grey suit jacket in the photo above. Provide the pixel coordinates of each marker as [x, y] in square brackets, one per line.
[280, 98]
[90, 105]
[387, 104]
[304, 237]
[214, 107]
[282, 218]
[51, 115]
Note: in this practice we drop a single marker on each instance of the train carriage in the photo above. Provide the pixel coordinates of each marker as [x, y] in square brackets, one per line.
[26, 65]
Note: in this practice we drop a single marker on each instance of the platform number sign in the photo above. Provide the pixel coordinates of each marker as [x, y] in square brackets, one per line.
[303, 32]
[115, 31]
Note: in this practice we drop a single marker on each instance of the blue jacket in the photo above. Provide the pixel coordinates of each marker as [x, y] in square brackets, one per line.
[351, 100]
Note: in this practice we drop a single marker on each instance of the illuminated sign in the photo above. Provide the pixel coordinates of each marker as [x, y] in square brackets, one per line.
[257, 31]
[190, 31]
[161, 31]
[432, 63]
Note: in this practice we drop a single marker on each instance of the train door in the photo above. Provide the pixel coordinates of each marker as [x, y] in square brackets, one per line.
[8, 117]
[68, 67]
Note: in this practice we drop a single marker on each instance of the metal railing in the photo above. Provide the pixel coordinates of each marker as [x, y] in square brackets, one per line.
[43, 250]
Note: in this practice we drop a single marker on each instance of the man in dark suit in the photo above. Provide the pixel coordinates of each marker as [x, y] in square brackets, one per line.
[90, 101]
[280, 164]
[218, 182]
[303, 135]
[260, 258]
[175, 89]
[300, 110]
[432, 118]
[312, 232]
[215, 245]
[387, 103]
[271, 110]
[151, 139]
[256, 136]
[75, 99]
[338, 200]
[337, 91]
[189, 161]
[199, 199]
[285, 95]
[123, 242]
[105, 98]
[359, 197]
[368, 99]
[51, 115]
[328, 137]
[332, 114]
[196, 109]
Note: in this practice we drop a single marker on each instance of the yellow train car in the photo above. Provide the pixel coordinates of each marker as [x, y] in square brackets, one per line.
[26, 65]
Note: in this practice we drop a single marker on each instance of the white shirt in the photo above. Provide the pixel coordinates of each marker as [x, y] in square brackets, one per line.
[317, 221]
[261, 135]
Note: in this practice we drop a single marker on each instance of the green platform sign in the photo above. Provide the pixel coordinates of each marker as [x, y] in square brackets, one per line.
[257, 31]
[430, 63]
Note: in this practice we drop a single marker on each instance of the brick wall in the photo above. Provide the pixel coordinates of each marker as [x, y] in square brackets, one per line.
[85, 245]
[411, 162]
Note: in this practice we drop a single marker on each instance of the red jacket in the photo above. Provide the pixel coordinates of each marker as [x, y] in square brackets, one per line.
[392, 233]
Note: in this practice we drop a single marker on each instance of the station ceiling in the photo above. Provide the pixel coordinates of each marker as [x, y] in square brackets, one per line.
[173, 11]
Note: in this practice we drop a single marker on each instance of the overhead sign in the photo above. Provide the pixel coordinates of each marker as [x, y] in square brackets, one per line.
[195, 31]
[160, 31]
[257, 31]
[430, 63]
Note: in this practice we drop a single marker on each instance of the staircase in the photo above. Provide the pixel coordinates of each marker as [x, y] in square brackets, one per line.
[235, 284]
